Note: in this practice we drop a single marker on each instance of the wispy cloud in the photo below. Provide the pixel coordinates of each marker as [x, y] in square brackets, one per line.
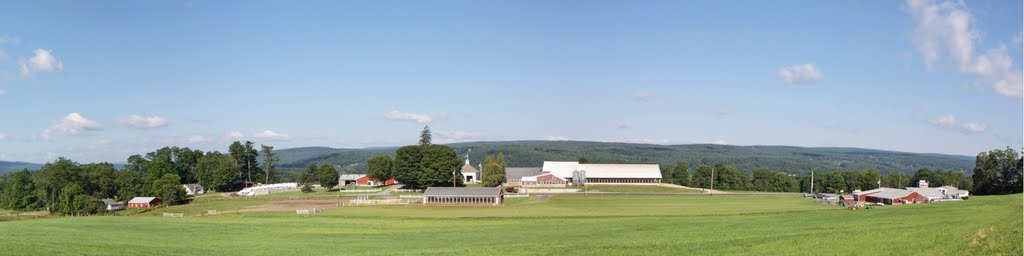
[949, 122]
[625, 126]
[720, 142]
[800, 74]
[946, 121]
[419, 118]
[555, 138]
[3, 136]
[72, 124]
[197, 139]
[270, 135]
[974, 127]
[948, 28]
[722, 111]
[144, 122]
[642, 96]
[235, 135]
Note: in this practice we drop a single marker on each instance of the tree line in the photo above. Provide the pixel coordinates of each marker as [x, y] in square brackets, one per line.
[70, 188]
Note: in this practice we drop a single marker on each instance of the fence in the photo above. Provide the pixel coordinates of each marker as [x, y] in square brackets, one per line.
[360, 191]
[410, 196]
[174, 214]
[408, 190]
[516, 195]
[365, 202]
[308, 211]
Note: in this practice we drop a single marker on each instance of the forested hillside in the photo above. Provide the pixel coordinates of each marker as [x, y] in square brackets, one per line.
[6, 167]
[745, 158]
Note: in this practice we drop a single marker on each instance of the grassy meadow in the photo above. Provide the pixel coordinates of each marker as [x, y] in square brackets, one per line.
[560, 225]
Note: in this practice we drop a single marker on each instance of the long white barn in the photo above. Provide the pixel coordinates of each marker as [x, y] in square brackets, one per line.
[605, 174]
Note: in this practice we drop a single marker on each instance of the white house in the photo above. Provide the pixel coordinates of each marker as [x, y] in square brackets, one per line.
[470, 174]
[194, 189]
[113, 205]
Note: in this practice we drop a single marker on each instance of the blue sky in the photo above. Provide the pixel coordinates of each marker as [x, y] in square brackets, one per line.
[99, 81]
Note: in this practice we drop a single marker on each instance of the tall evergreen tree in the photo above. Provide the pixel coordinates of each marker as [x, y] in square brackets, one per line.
[269, 161]
[425, 137]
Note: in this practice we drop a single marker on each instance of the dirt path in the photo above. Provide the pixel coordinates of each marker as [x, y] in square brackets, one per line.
[387, 192]
[540, 199]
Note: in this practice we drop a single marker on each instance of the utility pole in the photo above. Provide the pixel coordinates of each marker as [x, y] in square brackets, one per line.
[812, 182]
[453, 178]
[712, 181]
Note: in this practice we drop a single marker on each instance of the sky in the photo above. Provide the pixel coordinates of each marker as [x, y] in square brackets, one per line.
[99, 81]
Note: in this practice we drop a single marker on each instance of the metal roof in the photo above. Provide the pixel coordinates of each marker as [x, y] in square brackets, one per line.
[891, 193]
[928, 192]
[193, 186]
[142, 200]
[520, 172]
[351, 176]
[109, 201]
[594, 170]
[462, 192]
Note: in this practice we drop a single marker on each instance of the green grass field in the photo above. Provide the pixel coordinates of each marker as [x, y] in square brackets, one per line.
[561, 225]
[644, 189]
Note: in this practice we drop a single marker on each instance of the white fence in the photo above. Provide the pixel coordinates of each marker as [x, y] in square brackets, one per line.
[360, 191]
[408, 190]
[268, 188]
[364, 202]
[174, 214]
[308, 211]
[410, 196]
[516, 195]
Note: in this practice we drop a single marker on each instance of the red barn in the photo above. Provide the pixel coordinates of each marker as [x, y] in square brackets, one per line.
[144, 202]
[896, 196]
[365, 181]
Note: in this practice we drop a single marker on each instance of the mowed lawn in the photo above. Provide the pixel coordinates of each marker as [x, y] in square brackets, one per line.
[562, 225]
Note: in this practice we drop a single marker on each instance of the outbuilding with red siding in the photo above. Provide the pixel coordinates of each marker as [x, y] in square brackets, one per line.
[144, 202]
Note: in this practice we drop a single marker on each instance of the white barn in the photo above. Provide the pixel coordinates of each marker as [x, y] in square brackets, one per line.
[604, 174]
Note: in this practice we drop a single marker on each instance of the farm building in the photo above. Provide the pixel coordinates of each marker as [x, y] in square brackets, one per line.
[366, 181]
[469, 173]
[346, 179]
[847, 200]
[894, 196]
[112, 205]
[604, 174]
[462, 196]
[144, 202]
[952, 192]
[543, 180]
[194, 189]
[514, 175]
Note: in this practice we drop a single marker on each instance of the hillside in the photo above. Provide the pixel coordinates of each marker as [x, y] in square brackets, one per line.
[746, 158]
[6, 167]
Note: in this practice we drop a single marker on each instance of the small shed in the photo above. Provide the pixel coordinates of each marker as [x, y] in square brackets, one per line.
[346, 179]
[144, 202]
[113, 205]
[194, 189]
[463, 196]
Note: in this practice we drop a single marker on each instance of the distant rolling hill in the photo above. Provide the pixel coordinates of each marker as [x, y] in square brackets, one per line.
[746, 158]
[6, 167]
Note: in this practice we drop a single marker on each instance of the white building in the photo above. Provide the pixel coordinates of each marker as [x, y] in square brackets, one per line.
[194, 189]
[600, 173]
[470, 174]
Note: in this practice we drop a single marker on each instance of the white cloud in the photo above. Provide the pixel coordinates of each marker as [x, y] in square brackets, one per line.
[457, 136]
[43, 61]
[720, 142]
[235, 135]
[3, 136]
[723, 111]
[555, 138]
[946, 121]
[144, 122]
[974, 127]
[642, 96]
[419, 118]
[947, 28]
[800, 74]
[72, 124]
[8, 39]
[625, 125]
[270, 135]
[3, 92]
[197, 139]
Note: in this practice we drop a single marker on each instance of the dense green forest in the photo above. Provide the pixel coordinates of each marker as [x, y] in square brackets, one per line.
[795, 160]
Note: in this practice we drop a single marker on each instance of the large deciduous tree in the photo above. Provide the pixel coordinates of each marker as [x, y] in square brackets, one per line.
[438, 167]
[216, 171]
[327, 176]
[379, 168]
[998, 172]
[407, 166]
[494, 170]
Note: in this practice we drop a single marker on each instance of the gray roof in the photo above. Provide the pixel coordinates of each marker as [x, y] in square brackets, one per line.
[890, 193]
[928, 192]
[520, 172]
[141, 200]
[193, 186]
[109, 201]
[351, 176]
[463, 192]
